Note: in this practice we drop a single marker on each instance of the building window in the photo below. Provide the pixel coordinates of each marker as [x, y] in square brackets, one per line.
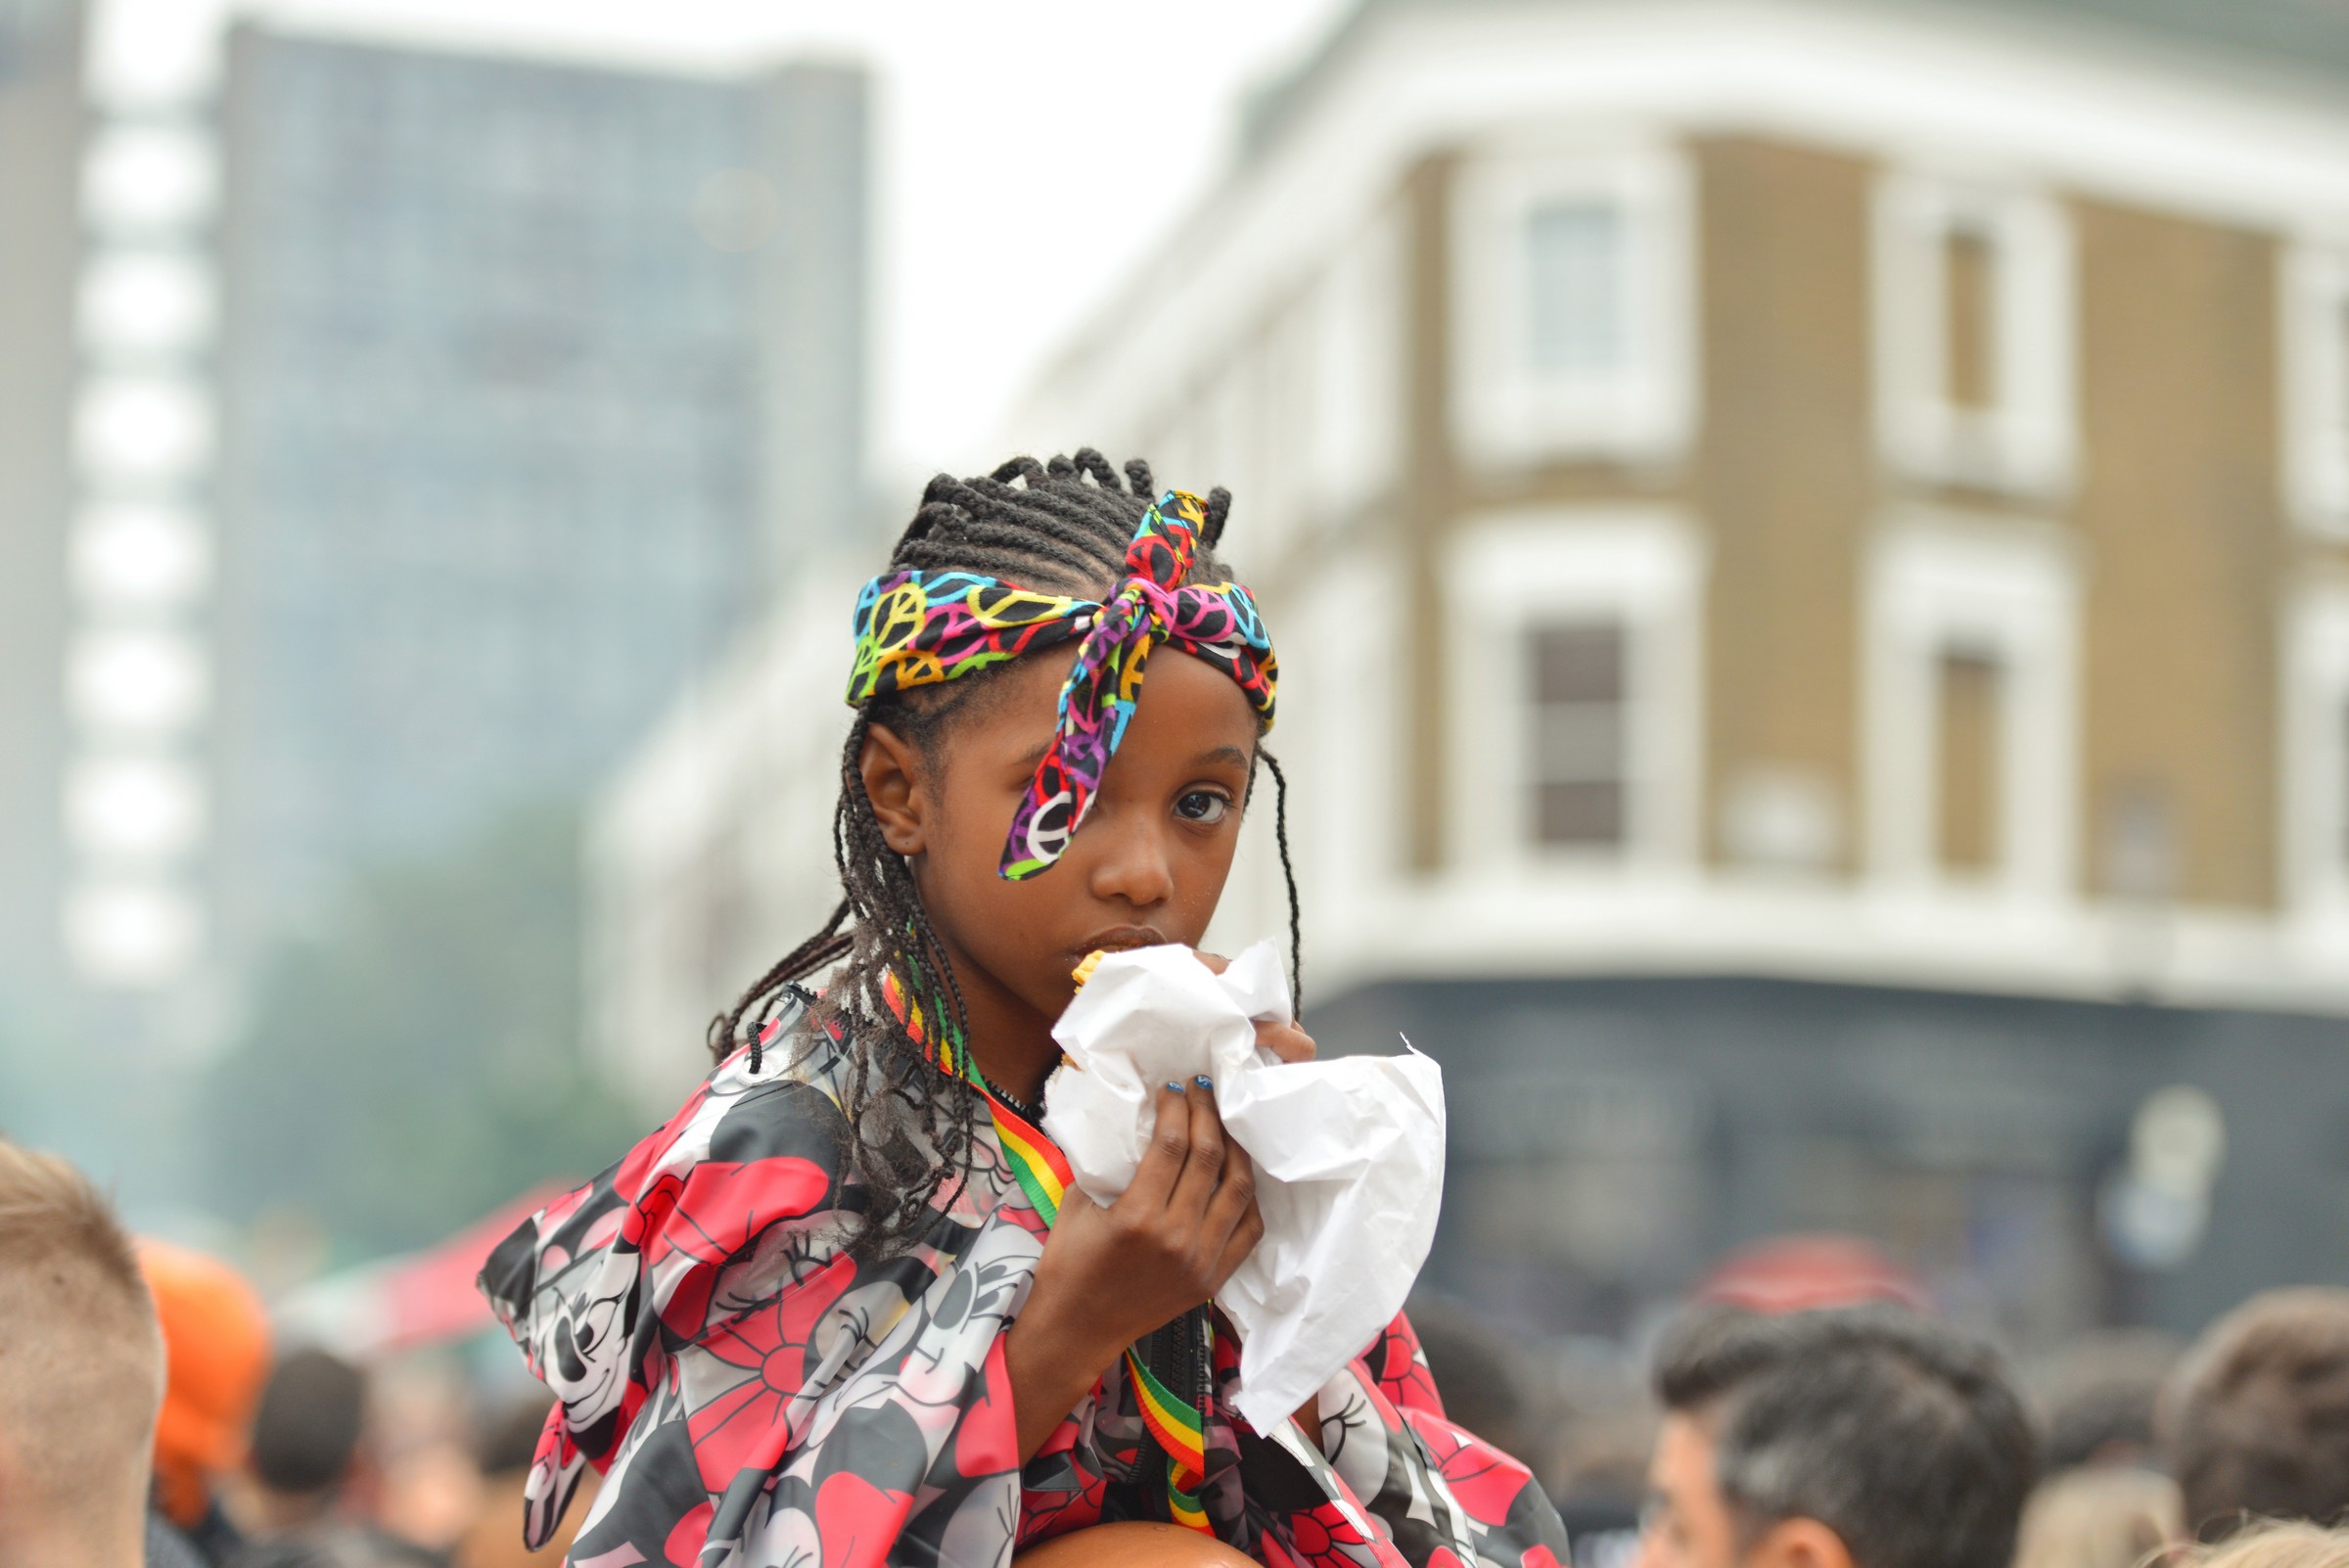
[2316, 837]
[1577, 749]
[1573, 699]
[2315, 355]
[1571, 306]
[1967, 748]
[1971, 708]
[1574, 289]
[1973, 316]
[2338, 785]
[1970, 303]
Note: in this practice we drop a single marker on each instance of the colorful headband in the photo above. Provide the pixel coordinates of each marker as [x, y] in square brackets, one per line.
[918, 628]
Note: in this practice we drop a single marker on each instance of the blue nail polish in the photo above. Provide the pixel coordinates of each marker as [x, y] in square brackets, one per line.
[1176, 1087]
[1206, 1082]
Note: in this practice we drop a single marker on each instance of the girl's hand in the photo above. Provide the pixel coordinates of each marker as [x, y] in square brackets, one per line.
[1110, 1275]
[1284, 1040]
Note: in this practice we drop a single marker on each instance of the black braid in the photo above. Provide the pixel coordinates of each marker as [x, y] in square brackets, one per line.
[826, 947]
[1215, 513]
[1057, 528]
[1288, 876]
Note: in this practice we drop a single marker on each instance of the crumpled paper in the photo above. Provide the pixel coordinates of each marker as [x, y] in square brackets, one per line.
[1349, 1153]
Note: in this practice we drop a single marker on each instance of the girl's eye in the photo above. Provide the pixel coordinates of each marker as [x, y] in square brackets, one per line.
[1203, 805]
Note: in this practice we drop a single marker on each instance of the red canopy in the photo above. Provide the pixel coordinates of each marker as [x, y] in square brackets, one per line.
[417, 1298]
[1793, 1273]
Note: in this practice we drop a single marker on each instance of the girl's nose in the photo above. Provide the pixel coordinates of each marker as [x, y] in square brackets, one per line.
[1130, 861]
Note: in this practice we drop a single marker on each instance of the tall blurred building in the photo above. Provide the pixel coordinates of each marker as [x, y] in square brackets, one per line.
[534, 381]
[41, 131]
[1810, 547]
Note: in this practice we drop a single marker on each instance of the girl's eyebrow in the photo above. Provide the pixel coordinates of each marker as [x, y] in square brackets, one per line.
[1220, 753]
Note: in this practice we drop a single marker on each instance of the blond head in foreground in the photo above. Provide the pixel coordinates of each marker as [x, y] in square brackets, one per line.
[81, 1372]
[2277, 1545]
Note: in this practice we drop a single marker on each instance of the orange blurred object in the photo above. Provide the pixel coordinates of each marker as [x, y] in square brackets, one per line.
[216, 1344]
[1797, 1274]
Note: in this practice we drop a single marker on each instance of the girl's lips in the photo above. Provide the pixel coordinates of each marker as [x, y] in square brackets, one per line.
[1121, 939]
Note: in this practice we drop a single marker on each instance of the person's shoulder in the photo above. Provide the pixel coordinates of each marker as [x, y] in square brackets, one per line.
[787, 1096]
[378, 1548]
[754, 1145]
[167, 1548]
[777, 1107]
[335, 1544]
[799, 1041]
[283, 1551]
[782, 1096]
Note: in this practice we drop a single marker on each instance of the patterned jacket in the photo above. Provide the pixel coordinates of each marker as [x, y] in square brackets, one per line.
[755, 1395]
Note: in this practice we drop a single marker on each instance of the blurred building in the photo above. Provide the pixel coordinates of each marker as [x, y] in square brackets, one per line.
[535, 380]
[41, 128]
[1810, 544]
[139, 676]
[708, 853]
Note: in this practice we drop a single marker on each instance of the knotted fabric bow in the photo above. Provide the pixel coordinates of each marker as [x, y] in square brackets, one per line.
[918, 628]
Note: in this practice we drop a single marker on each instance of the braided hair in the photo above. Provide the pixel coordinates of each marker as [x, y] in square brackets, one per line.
[1056, 528]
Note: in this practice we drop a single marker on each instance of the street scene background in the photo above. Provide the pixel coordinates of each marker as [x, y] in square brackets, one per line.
[1809, 544]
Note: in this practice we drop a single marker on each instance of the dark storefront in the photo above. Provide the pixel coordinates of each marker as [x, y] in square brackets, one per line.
[1610, 1138]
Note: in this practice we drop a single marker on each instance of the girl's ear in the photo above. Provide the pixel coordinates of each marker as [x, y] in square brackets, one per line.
[892, 781]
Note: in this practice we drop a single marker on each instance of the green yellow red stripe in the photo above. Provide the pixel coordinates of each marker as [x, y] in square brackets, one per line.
[1184, 1507]
[1037, 1162]
[1173, 1423]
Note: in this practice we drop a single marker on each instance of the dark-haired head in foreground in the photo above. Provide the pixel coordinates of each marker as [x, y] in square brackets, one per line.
[307, 1432]
[1864, 1437]
[2255, 1423]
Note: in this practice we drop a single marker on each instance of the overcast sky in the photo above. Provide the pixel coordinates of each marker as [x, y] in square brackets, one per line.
[1030, 151]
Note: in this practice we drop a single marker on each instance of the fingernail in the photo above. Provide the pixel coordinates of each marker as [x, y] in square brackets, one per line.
[1171, 1084]
[1206, 1082]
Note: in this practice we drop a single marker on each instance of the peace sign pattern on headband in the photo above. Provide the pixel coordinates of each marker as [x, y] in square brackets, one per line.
[917, 628]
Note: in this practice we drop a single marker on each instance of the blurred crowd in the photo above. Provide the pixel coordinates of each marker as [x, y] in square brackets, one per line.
[148, 1415]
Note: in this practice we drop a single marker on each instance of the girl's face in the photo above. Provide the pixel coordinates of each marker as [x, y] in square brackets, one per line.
[1147, 866]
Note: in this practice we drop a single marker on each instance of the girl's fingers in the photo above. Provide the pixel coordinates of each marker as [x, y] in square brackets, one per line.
[1170, 1150]
[1243, 1239]
[1285, 1041]
[1234, 1200]
[1202, 1165]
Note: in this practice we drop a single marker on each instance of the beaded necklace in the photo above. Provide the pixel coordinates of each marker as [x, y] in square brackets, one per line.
[1037, 1162]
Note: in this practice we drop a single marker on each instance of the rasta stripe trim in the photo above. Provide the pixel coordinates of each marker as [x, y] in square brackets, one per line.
[1037, 1162]
[1175, 1422]
[921, 628]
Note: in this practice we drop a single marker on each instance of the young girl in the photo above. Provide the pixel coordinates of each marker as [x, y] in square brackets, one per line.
[846, 1306]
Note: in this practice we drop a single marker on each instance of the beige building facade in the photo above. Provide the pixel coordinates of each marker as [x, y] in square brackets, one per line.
[1838, 491]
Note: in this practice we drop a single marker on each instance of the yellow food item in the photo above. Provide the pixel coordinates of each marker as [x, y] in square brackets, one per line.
[1093, 961]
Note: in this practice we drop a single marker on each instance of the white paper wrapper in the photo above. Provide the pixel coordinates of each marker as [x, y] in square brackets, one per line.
[1349, 1153]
